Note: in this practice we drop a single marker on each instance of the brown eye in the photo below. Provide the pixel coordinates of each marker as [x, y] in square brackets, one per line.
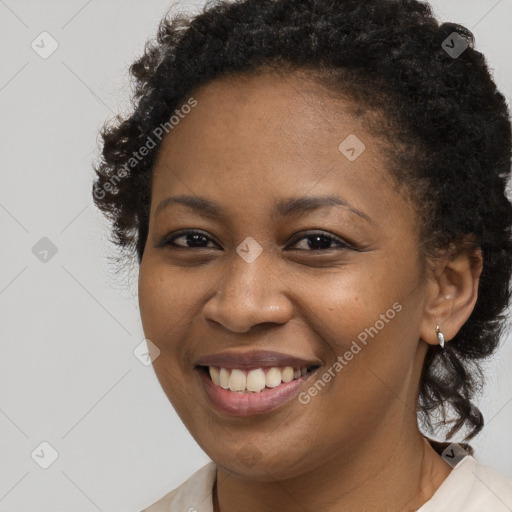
[194, 239]
[322, 241]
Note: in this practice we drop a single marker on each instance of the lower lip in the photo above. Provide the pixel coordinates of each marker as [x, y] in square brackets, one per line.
[247, 404]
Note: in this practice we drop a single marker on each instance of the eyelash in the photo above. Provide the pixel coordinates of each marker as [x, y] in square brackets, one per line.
[170, 241]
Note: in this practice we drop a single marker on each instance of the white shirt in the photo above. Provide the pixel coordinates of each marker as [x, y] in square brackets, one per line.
[470, 487]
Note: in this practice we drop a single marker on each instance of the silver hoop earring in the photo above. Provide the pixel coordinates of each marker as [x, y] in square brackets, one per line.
[440, 336]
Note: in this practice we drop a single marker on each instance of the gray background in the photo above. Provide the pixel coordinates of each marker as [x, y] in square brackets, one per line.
[68, 374]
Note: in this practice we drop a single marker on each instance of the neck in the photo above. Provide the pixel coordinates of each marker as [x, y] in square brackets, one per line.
[402, 476]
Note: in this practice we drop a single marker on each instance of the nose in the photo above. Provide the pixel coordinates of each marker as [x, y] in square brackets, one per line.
[248, 295]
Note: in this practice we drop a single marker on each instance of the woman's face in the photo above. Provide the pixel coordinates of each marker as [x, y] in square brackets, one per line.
[339, 285]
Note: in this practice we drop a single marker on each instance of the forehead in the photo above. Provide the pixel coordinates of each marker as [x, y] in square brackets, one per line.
[260, 107]
[272, 136]
[266, 118]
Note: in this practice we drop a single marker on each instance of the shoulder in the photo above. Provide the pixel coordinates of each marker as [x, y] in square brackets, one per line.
[472, 487]
[193, 495]
[491, 488]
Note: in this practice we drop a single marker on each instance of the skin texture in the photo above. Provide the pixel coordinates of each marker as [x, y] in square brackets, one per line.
[248, 143]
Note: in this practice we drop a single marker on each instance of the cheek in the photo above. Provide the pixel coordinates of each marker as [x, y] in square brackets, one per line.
[166, 300]
[369, 320]
[345, 303]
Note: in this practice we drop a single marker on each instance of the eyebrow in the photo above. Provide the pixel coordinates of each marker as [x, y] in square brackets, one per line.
[283, 207]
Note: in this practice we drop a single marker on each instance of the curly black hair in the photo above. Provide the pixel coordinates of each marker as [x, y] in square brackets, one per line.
[447, 129]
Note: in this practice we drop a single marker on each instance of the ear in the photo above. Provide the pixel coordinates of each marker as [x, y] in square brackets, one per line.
[452, 291]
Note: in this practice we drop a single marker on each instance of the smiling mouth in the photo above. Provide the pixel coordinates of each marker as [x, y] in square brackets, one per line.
[257, 380]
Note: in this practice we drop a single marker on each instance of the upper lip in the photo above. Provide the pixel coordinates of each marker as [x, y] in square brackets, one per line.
[254, 359]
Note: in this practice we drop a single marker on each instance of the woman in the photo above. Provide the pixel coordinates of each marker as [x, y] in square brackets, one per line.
[315, 192]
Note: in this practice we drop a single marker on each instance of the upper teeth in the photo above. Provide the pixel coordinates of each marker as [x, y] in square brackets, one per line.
[253, 380]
